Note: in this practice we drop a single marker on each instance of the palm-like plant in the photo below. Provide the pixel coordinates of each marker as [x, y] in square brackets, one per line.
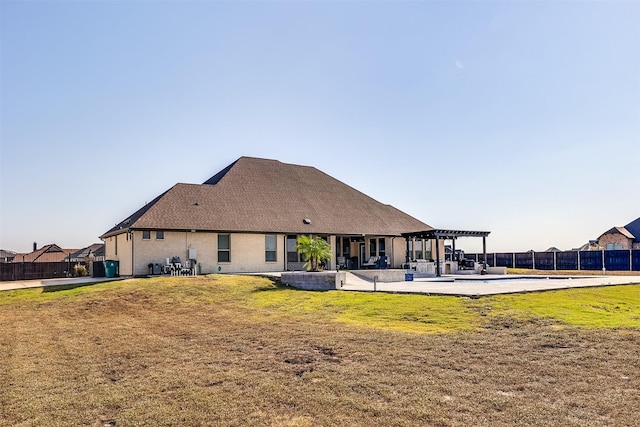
[314, 249]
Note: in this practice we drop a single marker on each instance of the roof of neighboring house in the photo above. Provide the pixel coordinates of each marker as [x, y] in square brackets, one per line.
[97, 249]
[262, 195]
[6, 254]
[620, 230]
[634, 228]
[47, 253]
[553, 249]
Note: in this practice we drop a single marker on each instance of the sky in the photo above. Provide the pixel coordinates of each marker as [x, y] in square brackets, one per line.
[519, 118]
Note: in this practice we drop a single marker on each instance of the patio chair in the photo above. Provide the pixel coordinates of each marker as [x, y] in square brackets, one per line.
[372, 263]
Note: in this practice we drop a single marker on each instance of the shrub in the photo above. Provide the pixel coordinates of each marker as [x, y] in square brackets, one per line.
[80, 270]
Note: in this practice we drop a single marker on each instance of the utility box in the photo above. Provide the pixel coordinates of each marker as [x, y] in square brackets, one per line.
[193, 253]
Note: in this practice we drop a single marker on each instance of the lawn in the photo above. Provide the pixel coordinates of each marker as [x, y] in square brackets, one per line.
[240, 350]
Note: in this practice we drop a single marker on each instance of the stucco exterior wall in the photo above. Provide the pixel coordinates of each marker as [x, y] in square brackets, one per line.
[247, 251]
[248, 254]
[118, 248]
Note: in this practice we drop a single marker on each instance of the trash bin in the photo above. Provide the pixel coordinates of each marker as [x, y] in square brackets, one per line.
[157, 269]
[408, 277]
[111, 268]
[150, 268]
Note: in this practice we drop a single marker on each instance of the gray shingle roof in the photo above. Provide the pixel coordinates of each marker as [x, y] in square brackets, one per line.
[261, 195]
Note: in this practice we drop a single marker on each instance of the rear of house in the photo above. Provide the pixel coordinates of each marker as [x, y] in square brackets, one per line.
[247, 217]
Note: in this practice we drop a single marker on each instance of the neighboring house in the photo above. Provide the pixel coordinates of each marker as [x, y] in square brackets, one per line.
[91, 253]
[592, 245]
[246, 218]
[47, 253]
[7, 256]
[553, 249]
[624, 238]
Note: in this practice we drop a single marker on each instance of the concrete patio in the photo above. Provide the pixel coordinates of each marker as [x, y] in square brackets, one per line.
[475, 286]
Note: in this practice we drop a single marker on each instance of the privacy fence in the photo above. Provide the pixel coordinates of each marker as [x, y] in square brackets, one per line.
[37, 270]
[618, 260]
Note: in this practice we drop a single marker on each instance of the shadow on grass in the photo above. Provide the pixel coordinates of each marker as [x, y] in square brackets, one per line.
[57, 288]
[277, 286]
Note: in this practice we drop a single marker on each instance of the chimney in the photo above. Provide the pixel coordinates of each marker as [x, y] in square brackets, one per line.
[35, 246]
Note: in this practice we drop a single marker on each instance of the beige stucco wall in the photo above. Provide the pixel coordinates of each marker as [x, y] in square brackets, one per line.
[120, 253]
[247, 251]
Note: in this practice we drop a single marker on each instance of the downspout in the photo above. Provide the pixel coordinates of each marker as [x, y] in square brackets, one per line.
[284, 258]
[133, 253]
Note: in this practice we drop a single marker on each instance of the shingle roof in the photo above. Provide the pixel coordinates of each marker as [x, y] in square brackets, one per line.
[47, 253]
[621, 230]
[261, 195]
[634, 228]
[97, 249]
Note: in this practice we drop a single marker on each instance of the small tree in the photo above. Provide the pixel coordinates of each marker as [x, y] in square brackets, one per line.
[315, 249]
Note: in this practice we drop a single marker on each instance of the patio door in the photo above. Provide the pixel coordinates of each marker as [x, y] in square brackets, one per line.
[363, 254]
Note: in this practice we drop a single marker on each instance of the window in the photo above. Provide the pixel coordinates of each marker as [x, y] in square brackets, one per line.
[146, 234]
[372, 247]
[224, 248]
[159, 235]
[292, 252]
[270, 248]
[346, 247]
[116, 245]
[381, 247]
[418, 249]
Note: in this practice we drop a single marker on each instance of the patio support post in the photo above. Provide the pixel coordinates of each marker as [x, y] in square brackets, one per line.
[484, 252]
[453, 248]
[437, 256]
[407, 260]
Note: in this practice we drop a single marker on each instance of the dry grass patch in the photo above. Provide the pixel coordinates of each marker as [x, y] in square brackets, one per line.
[220, 351]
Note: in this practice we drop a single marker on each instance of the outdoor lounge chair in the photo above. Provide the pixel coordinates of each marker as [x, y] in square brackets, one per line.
[372, 263]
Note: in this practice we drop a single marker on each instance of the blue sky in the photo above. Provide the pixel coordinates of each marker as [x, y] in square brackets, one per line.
[521, 118]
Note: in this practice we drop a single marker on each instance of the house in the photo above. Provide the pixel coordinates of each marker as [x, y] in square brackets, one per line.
[247, 217]
[47, 253]
[7, 256]
[94, 252]
[621, 238]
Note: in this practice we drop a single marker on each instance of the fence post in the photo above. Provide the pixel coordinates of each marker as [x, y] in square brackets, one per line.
[578, 252]
[533, 260]
[555, 260]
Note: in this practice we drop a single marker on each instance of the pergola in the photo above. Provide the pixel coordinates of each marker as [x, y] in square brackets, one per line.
[447, 235]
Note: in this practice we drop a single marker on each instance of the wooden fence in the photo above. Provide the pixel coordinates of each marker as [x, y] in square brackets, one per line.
[36, 270]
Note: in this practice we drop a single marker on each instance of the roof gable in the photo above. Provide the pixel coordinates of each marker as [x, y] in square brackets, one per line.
[261, 195]
[619, 230]
[47, 253]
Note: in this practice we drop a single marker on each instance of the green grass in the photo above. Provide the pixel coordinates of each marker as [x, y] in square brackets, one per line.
[606, 307]
[408, 313]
